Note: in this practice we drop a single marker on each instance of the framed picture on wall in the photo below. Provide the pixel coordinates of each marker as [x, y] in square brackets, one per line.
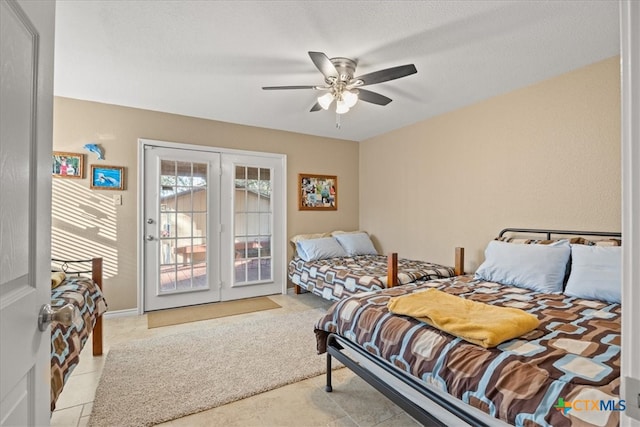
[67, 165]
[107, 177]
[317, 192]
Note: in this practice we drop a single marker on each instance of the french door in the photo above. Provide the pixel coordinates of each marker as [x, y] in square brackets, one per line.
[212, 231]
[253, 226]
[181, 193]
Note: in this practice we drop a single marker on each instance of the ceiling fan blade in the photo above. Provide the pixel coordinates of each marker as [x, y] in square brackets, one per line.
[324, 64]
[373, 97]
[287, 87]
[385, 75]
[316, 107]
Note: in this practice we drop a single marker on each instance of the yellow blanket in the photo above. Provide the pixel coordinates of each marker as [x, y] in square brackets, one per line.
[476, 322]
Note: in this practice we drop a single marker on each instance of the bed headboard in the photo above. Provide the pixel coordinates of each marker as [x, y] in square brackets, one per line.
[90, 267]
[549, 233]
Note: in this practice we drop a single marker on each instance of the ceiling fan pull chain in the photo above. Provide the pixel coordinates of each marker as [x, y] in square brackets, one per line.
[337, 121]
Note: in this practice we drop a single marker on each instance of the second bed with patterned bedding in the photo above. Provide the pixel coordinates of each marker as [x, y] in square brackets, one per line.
[336, 265]
[339, 277]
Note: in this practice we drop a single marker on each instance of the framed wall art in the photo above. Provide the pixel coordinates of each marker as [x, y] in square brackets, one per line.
[317, 192]
[107, 177]
[67, 165]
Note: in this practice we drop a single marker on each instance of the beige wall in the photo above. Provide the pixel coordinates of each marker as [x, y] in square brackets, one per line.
[547, 156]
[85, 222]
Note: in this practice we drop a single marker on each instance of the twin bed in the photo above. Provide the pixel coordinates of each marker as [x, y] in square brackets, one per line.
[565, 370]
[337, 265]
[78, 283]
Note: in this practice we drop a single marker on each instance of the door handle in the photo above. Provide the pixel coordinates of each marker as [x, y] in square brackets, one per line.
[64, 315]
[149, 237]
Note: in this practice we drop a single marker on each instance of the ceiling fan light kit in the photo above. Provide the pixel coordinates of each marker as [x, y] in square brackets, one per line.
[341, 85]
[341, 107]
[325, 100]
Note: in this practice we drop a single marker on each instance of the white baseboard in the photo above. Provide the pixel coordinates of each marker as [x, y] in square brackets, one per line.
[121, 313]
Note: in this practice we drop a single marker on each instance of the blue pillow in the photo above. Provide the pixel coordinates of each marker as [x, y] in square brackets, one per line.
[356, 244]
[540, 268]
[596, 273]
[313, 249]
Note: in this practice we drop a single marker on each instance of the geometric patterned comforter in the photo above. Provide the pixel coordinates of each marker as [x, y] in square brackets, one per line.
[564, 372]
[67, 342]
[337, 278]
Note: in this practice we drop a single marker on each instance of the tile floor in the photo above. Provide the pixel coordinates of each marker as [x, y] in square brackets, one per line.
[352, 403]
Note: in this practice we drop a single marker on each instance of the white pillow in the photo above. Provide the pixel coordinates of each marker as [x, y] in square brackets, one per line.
[334, 233]
[325, 247]
[298, 237]
[356, 243]
[596, 273]
[537, 267]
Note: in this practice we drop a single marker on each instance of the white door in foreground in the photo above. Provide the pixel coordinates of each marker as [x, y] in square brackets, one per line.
[26, 112]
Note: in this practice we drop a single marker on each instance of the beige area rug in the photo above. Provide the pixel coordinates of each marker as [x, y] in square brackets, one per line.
[175, 316]
[154, 380]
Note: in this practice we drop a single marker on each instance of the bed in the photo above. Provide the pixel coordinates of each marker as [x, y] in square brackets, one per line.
[334, 267]
[78, 283]
[565, 371]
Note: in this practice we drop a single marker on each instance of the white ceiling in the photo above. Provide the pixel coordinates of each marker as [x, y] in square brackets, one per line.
[209, 59]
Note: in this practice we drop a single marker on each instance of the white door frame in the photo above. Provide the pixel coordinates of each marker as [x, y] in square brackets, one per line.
[140, 217]
[630, 130]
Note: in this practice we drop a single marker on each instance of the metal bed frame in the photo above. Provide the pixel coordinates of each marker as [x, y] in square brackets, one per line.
[337, 344]
[548, 233]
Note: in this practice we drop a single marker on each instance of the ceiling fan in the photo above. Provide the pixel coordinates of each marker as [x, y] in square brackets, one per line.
[341, 86]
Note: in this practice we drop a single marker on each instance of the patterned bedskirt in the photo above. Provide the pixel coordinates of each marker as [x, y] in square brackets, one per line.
[67, 342]
[542, 378]
[337, 278]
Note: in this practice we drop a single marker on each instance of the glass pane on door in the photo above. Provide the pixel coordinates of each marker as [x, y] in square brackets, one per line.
[253, 216]
[183, 227]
